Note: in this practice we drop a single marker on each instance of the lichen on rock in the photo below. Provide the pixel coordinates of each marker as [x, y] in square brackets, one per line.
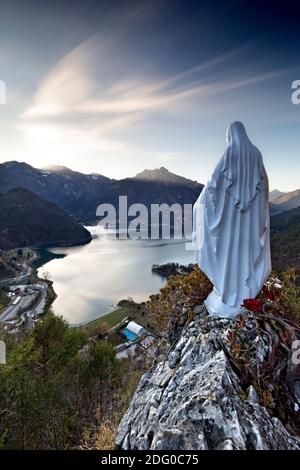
[196, 397]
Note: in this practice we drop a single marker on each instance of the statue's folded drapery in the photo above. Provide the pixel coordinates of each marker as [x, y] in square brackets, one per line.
[231, 225]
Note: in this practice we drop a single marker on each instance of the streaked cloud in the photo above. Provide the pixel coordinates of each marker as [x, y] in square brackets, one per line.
[118, 88]
[87, 81]
[99, 91]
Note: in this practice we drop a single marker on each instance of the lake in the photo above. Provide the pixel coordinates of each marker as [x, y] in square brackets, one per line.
[89, 280]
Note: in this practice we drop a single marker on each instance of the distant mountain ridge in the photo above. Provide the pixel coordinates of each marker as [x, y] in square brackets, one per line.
[286, 201]
[163, 175]
[274, 194]
[285, 220]
[27, 219]
[285, 240]
[156, 186]
[78, 194]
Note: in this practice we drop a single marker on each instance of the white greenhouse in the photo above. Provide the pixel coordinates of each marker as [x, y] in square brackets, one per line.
[136, 328]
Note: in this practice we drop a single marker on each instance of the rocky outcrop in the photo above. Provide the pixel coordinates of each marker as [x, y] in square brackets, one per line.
[193, 399]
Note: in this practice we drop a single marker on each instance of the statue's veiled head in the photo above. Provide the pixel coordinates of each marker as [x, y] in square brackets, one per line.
[236, 133]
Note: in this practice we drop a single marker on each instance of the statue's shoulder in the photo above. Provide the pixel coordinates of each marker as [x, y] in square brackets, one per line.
[257, 151]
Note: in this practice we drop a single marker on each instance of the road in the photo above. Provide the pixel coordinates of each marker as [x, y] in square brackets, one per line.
[12, 310]
[39, 308]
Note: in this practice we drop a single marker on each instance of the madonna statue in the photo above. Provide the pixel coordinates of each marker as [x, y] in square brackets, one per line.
[231, 226]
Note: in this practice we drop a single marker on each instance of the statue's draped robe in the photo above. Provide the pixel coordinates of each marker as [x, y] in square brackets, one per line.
[231, 225]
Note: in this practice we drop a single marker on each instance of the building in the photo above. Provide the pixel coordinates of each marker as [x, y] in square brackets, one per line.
[133, 331]
[139, 330]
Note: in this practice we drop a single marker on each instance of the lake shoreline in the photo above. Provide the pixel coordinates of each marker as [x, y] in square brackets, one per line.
[90, 280]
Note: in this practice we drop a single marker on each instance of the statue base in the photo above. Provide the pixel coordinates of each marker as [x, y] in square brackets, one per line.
[217, 308]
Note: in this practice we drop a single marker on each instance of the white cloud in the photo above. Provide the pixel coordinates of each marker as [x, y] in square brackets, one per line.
[98, 91]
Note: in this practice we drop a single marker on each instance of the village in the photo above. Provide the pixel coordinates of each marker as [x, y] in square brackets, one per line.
[27, 303]
[28, 297]
[24, 296]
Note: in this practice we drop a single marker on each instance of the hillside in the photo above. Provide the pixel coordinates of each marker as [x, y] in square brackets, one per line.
[75, 192]
[285, 220]
[154, 187]
[79, 194]
[285, 240]
[30, 220]
[70, 400]
[286, 201]
[274, 194]
[6, 270]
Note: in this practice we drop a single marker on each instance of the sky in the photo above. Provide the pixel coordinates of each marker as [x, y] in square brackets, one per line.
[114, 87]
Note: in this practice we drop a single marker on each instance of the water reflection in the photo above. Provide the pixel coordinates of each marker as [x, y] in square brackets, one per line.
[89, 280]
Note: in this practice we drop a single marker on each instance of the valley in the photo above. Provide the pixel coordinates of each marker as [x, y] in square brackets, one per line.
[73, 256]
[25, 296]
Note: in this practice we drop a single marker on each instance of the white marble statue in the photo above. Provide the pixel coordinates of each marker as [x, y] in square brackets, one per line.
[232, 226]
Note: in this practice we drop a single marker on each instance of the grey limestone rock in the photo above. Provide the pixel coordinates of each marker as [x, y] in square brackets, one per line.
[193, 400]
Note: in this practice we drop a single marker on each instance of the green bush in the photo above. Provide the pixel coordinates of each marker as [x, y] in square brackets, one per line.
[51, 395]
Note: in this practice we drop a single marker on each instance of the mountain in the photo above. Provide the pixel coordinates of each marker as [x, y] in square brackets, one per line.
[285, 220]
[285, 240]
[164, 176]
[27, 219]
[286, 201]
[78, 194]
[274, 194]
[154, 187]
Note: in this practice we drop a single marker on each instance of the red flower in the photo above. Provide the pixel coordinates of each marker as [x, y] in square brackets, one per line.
[254, 305]
[271, 294]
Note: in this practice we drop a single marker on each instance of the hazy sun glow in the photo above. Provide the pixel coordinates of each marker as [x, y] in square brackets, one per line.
[121, 95]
